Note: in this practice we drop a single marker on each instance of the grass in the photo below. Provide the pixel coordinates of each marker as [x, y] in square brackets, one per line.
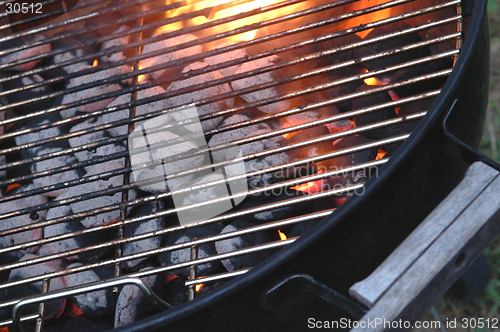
[487, 304]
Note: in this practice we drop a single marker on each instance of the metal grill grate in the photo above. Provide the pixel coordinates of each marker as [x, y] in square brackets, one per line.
[313, 23]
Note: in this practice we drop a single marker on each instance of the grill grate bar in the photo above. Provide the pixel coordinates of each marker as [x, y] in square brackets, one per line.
[216, 277]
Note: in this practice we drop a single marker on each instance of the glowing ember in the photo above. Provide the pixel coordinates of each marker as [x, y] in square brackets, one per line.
[377, 81]
[4, 329]
[381, 153]
[224, 8]
[12, 186]
[95, 63]
[286, 124]
[198, 287]
[72, 310]
[394, 97]
[312, 187]
[282, 235]
[364, 19]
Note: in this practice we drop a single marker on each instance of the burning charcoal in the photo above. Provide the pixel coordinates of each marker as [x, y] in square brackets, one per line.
[143, 109]
[140, 228]
[338, 57]
[338, 126]
[132, 304]
[55, 162]
[161, 153]
[240, 242]
[389, 44]
[376, 116]
[176, 291]
[17, 293]
[83, 50]
[24, 54]
[22, 220]
[311, 150]
[112, 43]
[277, 213]
[27, 94]
[35, 136]
[93, 304]
[54, 308]
[184, 255]
[95, 203]
[199, 95]
[225, 57]
[94, 91]
[103, 150]
[301, 228]
[419, 70]
[339, 91]
[74, 242]
[257, 80]
[168, 57]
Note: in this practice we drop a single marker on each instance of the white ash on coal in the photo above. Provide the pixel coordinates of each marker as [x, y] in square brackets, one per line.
[22, 220]
[36, 136]
[81, 51]
[124, 40]
[143, 109]
[249, 148]
[94, 91]
[168, 57]
[53, 309]
[132, 304]
[257, 80]
[226, 57]
[95, 203]
[280, 213]
[138, 228]
[75, 242]
[392, 43]
[27, 94]
[94, 304]
[199, 95]
[26, 53]
[154, 158]
[241, 242]
[52, 163]
[103, 150]
[184, 255]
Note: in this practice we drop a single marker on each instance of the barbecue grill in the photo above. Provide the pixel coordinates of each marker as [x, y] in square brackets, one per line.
[316, 64]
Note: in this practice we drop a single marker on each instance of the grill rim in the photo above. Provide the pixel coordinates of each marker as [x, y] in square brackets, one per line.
[433, 117]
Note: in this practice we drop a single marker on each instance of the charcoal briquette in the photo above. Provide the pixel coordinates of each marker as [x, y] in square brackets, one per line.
[241, 242]
[26, 53]
[27, 94]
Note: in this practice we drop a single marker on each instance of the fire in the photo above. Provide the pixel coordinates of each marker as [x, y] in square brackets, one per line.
[95, 63]
[198, 287]
[282, 235]
[312, 187]
[381, 153]
[12, 186]
[223, 9]
[377, 81]
[4, 329]
[285, 123]
[367, 18]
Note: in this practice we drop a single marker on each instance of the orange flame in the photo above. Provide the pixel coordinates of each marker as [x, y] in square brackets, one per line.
[12, 186]
[367, 18]
[198, 287]
[282, 235]
[394, 97]
[95, 63]
[223, 9]
[286, 124]
[312, 187]
[4, 329]
[377, 81]
[381, 153]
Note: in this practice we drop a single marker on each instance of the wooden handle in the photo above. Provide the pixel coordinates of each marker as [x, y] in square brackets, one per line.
[436, 253]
